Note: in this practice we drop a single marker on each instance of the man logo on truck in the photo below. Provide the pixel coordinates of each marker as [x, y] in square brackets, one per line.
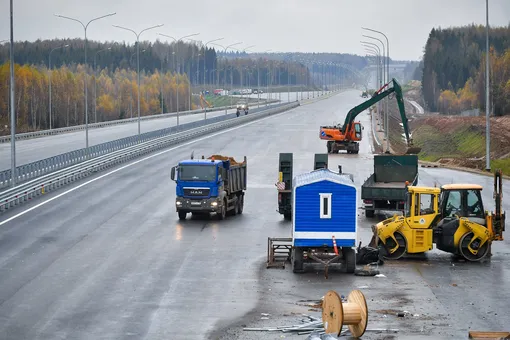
[196, 192]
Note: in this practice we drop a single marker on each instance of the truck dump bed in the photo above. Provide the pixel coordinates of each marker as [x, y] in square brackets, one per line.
[389, 177]
[234, 173]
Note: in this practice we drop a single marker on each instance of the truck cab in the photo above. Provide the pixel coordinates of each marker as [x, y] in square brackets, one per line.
[199, 182]
[209, 185]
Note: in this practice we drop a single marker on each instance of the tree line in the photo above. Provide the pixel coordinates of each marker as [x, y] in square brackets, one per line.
[113, 94]
[167, 71]
[453, 69]
[201, 64]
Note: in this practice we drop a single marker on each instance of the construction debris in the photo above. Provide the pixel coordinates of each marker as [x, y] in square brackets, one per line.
[313, 327]
[225, 158]
[337, 311]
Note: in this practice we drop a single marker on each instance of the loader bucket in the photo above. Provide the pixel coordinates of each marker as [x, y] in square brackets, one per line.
[373, 240]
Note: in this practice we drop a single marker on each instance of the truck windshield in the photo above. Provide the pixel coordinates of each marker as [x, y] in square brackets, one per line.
[199, 173]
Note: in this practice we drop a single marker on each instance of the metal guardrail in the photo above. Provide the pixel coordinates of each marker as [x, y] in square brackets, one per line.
[45, 166]
[43, 133]
[24, 192]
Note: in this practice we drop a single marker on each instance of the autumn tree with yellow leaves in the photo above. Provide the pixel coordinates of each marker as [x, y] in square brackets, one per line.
[116, 95]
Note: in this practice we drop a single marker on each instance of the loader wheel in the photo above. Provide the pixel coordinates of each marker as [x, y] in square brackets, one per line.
[466, 253]
[182, 215]
[401, 250]
[349, 259]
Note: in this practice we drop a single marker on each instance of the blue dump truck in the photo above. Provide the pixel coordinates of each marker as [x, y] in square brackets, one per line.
[212, 185]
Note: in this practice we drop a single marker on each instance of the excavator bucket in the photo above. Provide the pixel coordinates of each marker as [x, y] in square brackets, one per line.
[413, 150]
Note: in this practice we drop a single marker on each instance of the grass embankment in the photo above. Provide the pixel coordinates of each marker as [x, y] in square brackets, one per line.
[454, 140]
[464, 146]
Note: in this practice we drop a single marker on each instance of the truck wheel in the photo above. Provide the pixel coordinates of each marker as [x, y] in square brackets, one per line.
[235, 211]
[349, 259]
[240, 203]
[182, 215]
[369, 213]
[297, 260]
[223, 212]
[287, 216]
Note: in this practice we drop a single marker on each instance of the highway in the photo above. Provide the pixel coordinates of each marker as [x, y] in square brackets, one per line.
[35, 149]
[107, 257]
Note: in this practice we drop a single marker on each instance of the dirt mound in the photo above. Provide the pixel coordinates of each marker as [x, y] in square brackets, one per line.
[453, 140]
[226, 158]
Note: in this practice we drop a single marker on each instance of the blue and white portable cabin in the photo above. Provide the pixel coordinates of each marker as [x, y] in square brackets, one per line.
[325, 204]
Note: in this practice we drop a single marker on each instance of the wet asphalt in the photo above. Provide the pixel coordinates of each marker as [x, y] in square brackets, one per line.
[111, 260]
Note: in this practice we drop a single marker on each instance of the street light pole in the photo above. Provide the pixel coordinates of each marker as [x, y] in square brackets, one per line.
[138, 60]
[13, 114]
[258, 80]
[205, 53]
[86, 85]
[95, 83]
[387, 77]
[178, 65]
[224, 68]
[487, 93]
[49, 75]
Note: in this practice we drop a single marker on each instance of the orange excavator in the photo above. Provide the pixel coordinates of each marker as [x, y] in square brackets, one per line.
[347, 136]
[204, 101]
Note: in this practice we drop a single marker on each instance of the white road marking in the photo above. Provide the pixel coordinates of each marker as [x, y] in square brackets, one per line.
[133, 163]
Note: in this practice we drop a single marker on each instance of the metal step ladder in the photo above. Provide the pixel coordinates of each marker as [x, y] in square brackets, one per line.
[278, 251]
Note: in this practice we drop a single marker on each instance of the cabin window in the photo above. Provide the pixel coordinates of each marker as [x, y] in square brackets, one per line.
[325, 205]
[357, 128]
[453, 206]
[427, 204]
[474, 204]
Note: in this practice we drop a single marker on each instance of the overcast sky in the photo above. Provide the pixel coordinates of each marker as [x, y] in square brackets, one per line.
[279, 25]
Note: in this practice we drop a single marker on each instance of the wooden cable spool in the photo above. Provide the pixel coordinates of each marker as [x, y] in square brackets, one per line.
[353, 313]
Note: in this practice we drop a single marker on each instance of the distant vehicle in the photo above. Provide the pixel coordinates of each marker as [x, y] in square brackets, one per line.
[364, 95]
[242, 106]
[255, 91]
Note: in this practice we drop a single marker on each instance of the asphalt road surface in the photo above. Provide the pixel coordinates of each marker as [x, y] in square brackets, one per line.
[111, 260]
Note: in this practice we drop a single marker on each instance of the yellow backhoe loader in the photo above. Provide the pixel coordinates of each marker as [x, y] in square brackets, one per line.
[452, 217]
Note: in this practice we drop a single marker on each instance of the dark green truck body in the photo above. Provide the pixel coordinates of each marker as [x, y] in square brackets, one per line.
[385, 189]
[285, 167]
